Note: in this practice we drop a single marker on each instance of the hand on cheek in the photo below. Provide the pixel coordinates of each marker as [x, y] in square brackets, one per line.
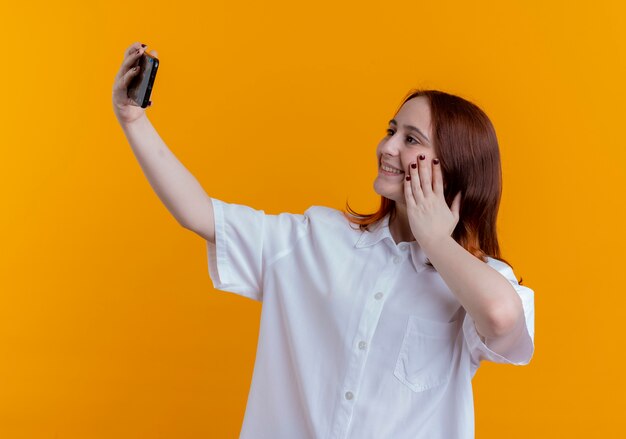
[429, 215]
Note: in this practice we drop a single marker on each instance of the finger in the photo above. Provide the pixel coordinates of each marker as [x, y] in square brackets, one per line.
[133, 48]
[132, 53]
[437, 178]
[409, 199]
[416, 184]
[130, 60]
[122, 83]
[424, 169]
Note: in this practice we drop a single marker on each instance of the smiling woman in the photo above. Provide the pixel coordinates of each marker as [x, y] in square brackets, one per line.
[360, 336]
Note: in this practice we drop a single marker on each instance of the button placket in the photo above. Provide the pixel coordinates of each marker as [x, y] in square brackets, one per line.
[364, 332]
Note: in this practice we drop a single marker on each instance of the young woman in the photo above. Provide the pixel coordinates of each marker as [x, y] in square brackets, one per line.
[372, 326]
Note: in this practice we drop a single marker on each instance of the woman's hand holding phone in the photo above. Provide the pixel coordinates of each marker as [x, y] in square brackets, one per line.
[126, 109]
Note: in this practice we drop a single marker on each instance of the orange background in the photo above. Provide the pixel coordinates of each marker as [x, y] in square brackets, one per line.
[109, 325]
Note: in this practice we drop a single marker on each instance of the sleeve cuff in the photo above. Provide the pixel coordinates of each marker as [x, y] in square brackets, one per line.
[219, 257]
[520, 357]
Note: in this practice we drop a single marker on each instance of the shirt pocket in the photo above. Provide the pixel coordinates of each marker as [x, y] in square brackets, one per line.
[426, 353]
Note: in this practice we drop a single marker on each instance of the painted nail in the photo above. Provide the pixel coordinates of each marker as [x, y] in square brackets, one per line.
[422, 156]
[413, 165]
[408, 178]
[436, 161]
[143, 45]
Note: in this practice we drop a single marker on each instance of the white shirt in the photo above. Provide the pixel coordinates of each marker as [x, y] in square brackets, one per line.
[358, 338]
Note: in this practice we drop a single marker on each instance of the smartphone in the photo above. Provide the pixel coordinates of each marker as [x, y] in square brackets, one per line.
[141, 85]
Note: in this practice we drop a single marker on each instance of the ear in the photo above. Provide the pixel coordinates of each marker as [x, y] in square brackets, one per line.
[456, 205]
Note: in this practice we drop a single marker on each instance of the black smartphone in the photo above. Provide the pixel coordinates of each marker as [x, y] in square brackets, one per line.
[141, 85]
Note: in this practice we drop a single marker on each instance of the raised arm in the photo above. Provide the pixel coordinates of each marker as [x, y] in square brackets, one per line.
[175, 186]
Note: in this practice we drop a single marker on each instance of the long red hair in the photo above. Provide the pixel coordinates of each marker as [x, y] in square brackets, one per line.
[467, 148]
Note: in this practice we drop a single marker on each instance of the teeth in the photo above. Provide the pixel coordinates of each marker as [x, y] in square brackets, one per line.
[391, 170]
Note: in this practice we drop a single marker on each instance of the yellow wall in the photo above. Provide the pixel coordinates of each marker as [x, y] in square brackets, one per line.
[109, 326]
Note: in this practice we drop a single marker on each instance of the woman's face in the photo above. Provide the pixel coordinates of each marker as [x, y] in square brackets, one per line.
[401, 146]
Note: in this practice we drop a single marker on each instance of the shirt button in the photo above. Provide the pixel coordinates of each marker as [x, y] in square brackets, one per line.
[349, 395]
[362, 345]
[378, 296]
[397, 259]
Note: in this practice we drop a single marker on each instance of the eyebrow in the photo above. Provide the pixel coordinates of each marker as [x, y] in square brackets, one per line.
[412, 128]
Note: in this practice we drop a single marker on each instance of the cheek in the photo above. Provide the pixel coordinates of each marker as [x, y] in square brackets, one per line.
[407, 160]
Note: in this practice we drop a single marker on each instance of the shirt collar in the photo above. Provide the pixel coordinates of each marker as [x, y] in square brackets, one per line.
[380, 232]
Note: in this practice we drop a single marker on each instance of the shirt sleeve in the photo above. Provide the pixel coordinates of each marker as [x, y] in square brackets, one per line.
[523, 352]
[247, 241]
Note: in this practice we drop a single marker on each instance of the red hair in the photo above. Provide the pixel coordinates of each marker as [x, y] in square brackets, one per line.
[465, 143]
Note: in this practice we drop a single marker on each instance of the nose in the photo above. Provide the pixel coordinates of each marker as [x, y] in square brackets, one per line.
[391, 146]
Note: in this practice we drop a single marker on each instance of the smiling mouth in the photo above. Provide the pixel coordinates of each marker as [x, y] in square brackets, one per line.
[388, 170]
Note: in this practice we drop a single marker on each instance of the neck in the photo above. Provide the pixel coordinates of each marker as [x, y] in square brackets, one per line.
[399, 225]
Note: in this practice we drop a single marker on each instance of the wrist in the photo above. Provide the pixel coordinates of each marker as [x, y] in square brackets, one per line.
[127, 125]
[433, 242]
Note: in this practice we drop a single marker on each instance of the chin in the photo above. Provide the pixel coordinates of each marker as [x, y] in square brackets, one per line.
[395, 195]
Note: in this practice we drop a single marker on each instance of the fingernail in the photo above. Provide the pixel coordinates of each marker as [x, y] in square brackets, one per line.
[422, 156]
[143, 45]
[408, 178]
[413, 165]
[435, 161]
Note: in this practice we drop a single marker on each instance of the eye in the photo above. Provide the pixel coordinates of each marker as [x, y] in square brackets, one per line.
[390, 133]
